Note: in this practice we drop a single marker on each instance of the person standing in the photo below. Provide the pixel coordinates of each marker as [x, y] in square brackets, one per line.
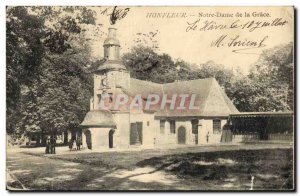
[74, 144]
[78, 143]
[70, 144]
[52, 143]
[47, 146]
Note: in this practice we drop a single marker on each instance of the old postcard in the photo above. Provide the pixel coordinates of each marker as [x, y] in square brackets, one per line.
[150, 98]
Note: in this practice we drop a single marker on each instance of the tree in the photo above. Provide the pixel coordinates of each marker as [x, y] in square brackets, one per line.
[268, 86]
[218, 71]
[145, 64]
[52, 92]
[274, 71]
[24, 51]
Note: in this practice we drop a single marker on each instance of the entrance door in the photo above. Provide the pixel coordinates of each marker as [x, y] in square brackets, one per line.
[136, 133]
[88, 136]
[181, 135]
[111, 138]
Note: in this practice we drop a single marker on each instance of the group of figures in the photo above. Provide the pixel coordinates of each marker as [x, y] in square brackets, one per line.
[74, 144]
[50, 145]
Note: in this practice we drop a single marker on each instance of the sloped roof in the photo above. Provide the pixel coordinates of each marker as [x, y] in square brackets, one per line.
[217, 102]
[111, 41]
[199, 87]
[229, 102]
[211, 99]
[111, 65]
[142, 87]
[98, 118]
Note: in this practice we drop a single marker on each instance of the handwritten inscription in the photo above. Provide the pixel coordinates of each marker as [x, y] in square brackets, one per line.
[239, 44]
[250, 25]
[115, 14]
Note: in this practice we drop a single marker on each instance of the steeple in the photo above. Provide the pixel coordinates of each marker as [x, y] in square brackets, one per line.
[111, 47]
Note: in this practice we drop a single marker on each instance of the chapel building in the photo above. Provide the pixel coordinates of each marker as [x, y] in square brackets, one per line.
[127, 128]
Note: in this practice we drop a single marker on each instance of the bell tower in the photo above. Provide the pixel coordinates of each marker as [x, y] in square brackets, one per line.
[111, 45]
[112, 75]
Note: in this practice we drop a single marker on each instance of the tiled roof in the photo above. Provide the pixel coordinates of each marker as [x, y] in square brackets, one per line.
[210, 97]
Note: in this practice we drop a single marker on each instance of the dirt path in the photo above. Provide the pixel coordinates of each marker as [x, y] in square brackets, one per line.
[105, 171]
[42, 173]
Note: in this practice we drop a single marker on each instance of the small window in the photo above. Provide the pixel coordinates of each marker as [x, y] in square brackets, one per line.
[216, 126]
[148, 123]
[172, 126]
[162, 126]
[195, 126]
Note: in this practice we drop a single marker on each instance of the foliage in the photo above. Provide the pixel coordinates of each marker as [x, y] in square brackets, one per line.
[268, 87]
[218, 71]
[49, 85]
[24, 51]
[48, 88]
[143, 63]
[274, 72]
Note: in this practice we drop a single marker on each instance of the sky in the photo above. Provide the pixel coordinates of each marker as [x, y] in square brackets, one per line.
[196, 44]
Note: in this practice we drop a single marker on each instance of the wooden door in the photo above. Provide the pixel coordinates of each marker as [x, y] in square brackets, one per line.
[136, 133]
[181, 135]
[111, 138]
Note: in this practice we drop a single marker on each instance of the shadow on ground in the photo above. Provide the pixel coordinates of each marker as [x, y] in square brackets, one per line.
[272, 169]
[226, 170]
